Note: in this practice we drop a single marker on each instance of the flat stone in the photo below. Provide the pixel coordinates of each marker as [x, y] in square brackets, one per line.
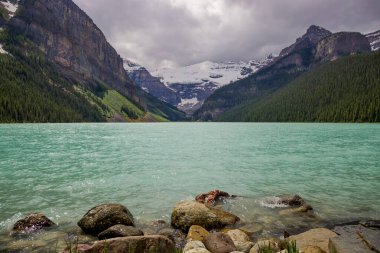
[315, 237]
[355, 239]
[193, 245]
[313, 249]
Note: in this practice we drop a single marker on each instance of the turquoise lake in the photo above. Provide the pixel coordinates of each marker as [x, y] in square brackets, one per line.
[62, 170]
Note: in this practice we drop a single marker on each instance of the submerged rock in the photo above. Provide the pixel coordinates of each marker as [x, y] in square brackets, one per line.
[119, 231]
[188, 213]
[284, 201]
[31, 223]
[211, 197]
[219, 243]
[297, 210]
[105, 216]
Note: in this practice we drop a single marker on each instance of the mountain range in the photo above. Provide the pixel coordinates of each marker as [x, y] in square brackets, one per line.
[57, 66]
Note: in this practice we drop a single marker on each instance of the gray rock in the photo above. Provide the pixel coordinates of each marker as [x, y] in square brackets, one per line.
[355, 239]
[219, 243]
[119, 231]
[175, 235]
[134, 244]
[105, 216]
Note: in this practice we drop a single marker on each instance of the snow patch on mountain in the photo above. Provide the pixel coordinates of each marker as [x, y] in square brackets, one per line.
[131, 66]
[2, 51]
[374, 40]
[11, 7]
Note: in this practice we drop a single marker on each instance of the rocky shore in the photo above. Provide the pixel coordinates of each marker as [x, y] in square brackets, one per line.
[198, 226]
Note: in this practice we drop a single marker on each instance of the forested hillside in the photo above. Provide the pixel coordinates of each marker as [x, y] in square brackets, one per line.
[345, 90]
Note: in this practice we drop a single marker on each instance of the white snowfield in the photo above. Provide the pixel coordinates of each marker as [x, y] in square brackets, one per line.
[188, 102]
[218, 73]
[130, 66]
[12, 8]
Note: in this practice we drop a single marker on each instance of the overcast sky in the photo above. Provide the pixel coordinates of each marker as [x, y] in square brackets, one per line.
[182, 32]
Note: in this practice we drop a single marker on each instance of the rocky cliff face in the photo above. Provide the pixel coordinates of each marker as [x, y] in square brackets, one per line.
[312, 36]
[151, 84]
[341, 44]
[70, 38]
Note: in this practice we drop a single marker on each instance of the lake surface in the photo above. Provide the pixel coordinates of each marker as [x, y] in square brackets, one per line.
[62, 170]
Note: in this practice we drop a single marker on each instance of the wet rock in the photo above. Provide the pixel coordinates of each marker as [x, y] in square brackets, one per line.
[273, 244]
[315, 237]
[175, 235]
[134, 244]
[190, 245]
[312, 249]
[79, 248]
[119, 231]
[297, 210]
[211, 197]
[103, 217]
[219, 243]
[289, 200]
[197, 233]
[188, 213]
[241, 240]
[31, 223]
[355, 238]
[371, 224]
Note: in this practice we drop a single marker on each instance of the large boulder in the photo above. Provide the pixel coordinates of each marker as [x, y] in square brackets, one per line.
[102, 217]
[211, 197]
[134, 244]
[31, 223]
[119, 231]
[188, 213]
[219, 243]
[315, 237]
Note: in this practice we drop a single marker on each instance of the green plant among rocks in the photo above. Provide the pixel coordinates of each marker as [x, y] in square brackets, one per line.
[291, 247]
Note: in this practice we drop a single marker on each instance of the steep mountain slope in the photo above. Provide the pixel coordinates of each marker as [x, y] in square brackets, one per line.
[374, 40]
[316, 46]
[345, 90]
[151, 84]
[79, 51]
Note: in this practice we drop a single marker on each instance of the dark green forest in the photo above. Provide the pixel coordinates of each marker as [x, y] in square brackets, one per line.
[31, 91]
[345, 90]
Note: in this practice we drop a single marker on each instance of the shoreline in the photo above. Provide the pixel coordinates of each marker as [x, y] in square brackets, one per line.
[61, 235]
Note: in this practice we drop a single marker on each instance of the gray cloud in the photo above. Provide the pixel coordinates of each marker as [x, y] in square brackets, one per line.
[181, 32]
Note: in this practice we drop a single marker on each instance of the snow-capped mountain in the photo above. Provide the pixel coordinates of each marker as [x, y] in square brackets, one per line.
[374, 40]
[194, 83]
